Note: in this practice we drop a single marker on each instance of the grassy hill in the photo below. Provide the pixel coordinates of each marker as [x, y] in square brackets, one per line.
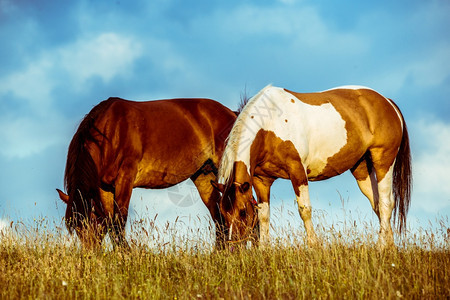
[38, 264]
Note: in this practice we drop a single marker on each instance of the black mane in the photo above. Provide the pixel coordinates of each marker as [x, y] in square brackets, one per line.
[244, 100]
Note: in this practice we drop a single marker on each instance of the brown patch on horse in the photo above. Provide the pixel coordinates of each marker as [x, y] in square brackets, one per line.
[273, 157]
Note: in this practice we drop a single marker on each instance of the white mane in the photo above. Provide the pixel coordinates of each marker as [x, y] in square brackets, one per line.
[234, 139]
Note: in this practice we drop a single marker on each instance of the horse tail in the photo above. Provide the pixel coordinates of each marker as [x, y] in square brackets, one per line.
[402, 178]
[81, 178]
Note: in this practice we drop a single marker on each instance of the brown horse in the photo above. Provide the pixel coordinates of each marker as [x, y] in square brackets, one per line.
[123, 144]
[314, 136]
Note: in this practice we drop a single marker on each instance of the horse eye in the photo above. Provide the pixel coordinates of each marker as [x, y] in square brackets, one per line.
[242, 213]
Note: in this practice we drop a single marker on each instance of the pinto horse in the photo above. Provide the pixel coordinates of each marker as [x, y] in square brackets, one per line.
[309, 137]
[122, 144]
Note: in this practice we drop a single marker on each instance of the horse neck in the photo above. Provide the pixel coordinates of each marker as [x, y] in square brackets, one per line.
[241, 172]
[257, 115]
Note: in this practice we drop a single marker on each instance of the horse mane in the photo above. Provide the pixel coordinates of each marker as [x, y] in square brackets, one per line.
[232, 142]
[244, 100]
[81, 179]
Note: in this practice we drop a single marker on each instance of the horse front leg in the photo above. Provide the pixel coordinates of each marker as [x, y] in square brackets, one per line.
[300, 183]
[210, 197]
[108, 203]
[123, 190]
[117, 228]
[262, 187]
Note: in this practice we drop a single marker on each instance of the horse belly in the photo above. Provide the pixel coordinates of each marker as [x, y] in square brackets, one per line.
[163, 172]
[334, 156]
[322, 171]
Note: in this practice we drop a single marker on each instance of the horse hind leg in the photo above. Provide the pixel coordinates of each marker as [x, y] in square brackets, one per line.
[383, 163]
[364, 174]
[387, 203]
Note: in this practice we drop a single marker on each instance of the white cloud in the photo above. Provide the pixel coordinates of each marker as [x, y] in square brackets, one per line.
[32, 85]
[168, 61]
[431, 165]
[106, 56]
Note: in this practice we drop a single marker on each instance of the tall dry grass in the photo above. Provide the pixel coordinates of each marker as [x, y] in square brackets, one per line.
[38, 263]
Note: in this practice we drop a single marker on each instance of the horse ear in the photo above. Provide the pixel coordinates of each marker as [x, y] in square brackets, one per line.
[63, 196]
[244, 187]
[218, 186]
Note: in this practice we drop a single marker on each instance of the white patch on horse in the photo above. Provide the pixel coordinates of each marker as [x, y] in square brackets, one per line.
[317, 131]
[325, 134]
[385, 189]
[386, 205]
[264, 222]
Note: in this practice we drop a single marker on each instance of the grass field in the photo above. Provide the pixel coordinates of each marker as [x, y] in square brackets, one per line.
[40, 264]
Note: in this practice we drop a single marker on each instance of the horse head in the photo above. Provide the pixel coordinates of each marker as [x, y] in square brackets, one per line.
[238, 208]
[85, 218]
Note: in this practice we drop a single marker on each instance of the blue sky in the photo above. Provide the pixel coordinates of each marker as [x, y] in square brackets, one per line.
[60, 58]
